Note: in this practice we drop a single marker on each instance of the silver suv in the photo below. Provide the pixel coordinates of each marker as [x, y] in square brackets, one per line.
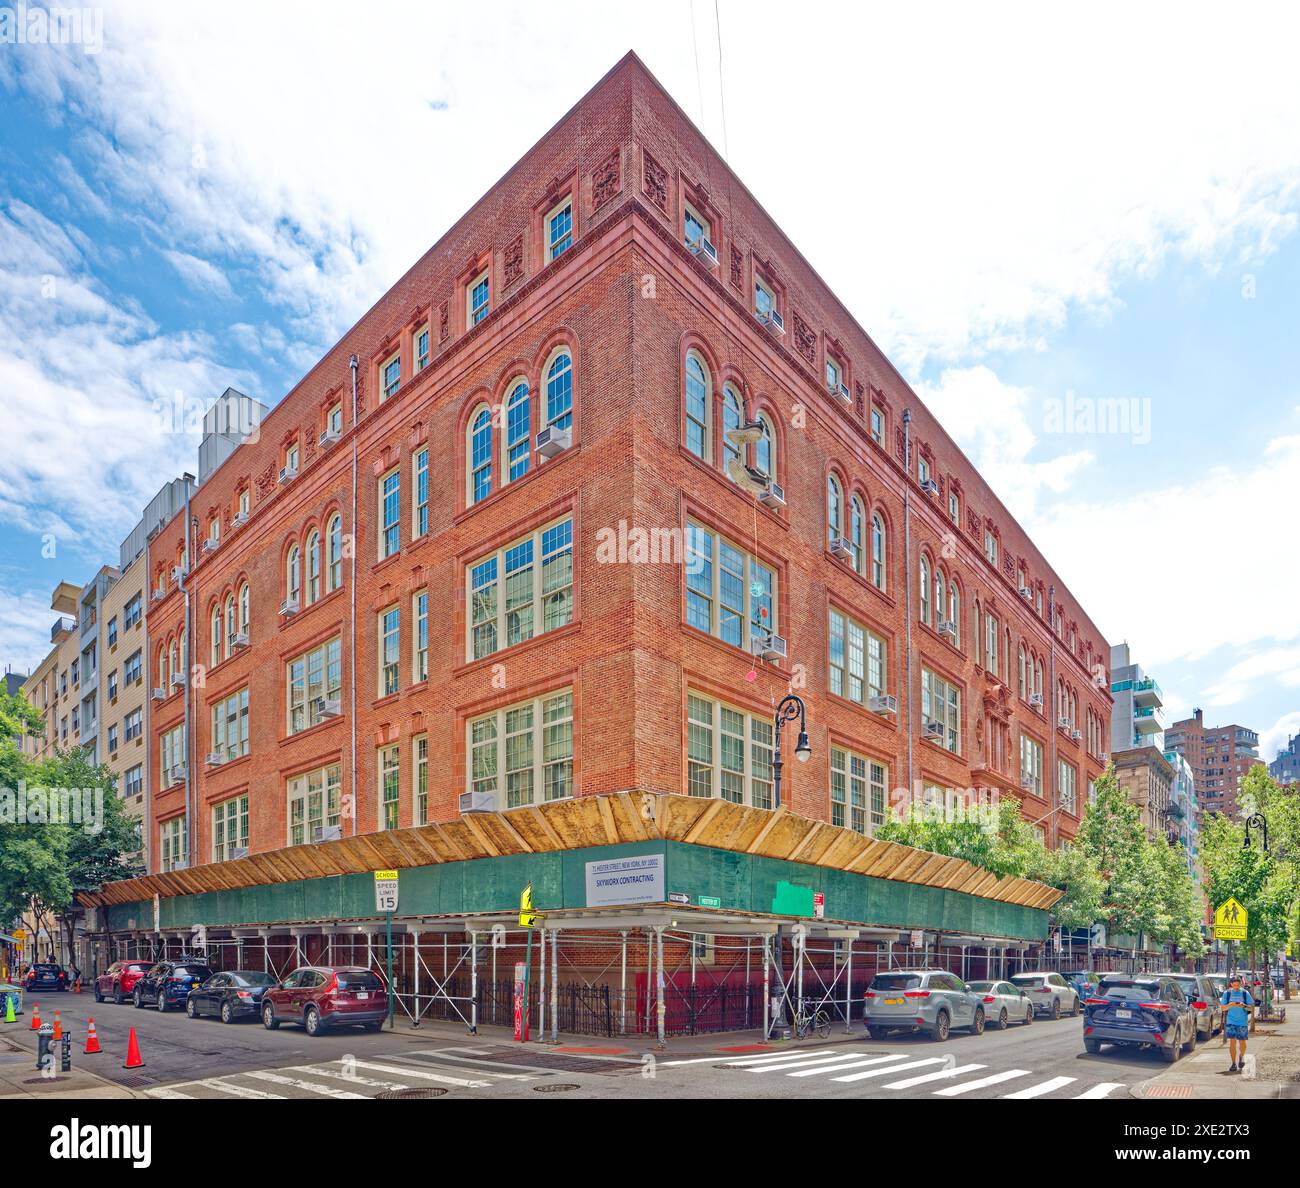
[1050, 993]
[930, 1000]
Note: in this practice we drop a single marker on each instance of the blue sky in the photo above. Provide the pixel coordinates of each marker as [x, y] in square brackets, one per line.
[1022, 210]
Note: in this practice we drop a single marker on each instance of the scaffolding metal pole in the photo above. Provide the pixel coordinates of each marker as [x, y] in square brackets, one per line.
[767, 986]
[649, 974]
[848, 994]
[622, 992]
[661, 1010]
[541, 991]
[555, 984]
[473, 982]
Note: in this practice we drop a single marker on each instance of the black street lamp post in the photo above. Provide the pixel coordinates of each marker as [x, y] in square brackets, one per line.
[791, 707]
[1257, 821]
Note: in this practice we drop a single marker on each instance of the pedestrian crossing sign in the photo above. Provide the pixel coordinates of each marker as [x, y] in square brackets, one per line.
[1231, 921]
[527, 916]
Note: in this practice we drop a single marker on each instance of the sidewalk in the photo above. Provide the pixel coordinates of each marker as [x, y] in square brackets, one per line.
[1274, 1049]
[19, 1078]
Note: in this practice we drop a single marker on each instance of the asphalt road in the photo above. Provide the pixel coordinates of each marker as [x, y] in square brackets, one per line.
[206, 1059]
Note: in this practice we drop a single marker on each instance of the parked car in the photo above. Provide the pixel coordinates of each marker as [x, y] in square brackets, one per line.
[320, 997]
[1003, 1003]
[169, 983]
[1220, 984]
[931, 1000]
[1140, 1010]
[230, 995]
[1084, 981]
[45, 975]
[1205, 1002]
[1050, 993]
[118, 980]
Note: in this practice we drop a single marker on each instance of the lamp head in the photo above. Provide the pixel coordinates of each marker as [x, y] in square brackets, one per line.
[803, 750]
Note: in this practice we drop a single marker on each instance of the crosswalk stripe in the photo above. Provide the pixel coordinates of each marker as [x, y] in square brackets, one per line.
[322, 1070]
[721, 1059]
[893, 1068]
[796, 1062]
[237, 1090]
[1039, 1090]
[855, 1062]
[298, 1083]
[1104, 1089]
[492, 1066]
[423, 1074]
[994, 1079]
[169, 1094]
[924, 1078]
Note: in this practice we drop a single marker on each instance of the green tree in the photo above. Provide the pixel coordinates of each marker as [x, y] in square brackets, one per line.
[1112, 837]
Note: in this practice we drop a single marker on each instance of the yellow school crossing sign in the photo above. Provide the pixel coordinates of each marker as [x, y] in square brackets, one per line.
[1230, 921]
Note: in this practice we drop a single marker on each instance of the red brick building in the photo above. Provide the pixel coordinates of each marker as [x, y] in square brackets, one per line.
[1219, 757]
[530, 620]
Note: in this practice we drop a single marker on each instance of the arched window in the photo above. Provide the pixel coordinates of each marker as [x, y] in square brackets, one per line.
[232, 625]
[173, 666]
[954, 610]
[731, 419]
[976, 624]
[518, 430]
[925, 588]
[334, 537]
[293, 576]
[697, 407]
[1021, 681]
[857, 534]
[878, 551]
[834, 509]
[559, 391]
[1038, 677]
[162, 668]
[480, 455]
[313, 566]
[1006, 657]
[765, 449]
[940, 595]
[215, 634]
[243, 608]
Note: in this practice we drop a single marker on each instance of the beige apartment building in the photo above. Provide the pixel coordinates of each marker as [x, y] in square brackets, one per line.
[54, 687]
[123, 690]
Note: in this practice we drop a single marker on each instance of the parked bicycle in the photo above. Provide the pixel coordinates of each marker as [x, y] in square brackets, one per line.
[806, 1021]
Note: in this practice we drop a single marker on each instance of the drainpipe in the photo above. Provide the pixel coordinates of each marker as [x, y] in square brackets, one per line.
[1056, 708]
[188, 649]
[907, 567]
[352, 676]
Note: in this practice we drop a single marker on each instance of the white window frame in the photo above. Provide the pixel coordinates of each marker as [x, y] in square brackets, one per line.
[756, 737]
[299, 788]
[231, 711]
[388, 793]
[388, 625]
[941, 702]
[419, 637]
[312, 690]
[1031, 762]
[565, 241]
[560, 702]
[420, 779]
[474, 314]
[419, 506]
[390, 502]
[873, 777]
[477, 583]
[234, 810]
[749, 603]
[870, 675]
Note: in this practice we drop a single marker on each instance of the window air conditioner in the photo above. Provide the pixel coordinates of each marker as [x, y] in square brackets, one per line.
[288, 474]
[770, 647]
[289, 606]
[885, 703]
[478, 802]
[841, 549]
[552, 441]
[329, 437]
[773, 321]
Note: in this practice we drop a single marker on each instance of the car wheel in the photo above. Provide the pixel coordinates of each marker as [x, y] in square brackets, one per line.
[977, 1027]
[876, 1033]
[1074, 1011]
[161, 1004]
[311, 1021]
[269, 1021]
[117, 995]
[190, 1009]
[98, 996]
[1002, 1019]
[1092, 1047]
[941, 1027]
[1171, 1054]
[1190, 1046]
[1056, 1009]
[139, 1000]
[374, 1026]
[1205, 1036]
[227, 1015]
[1029, 1014]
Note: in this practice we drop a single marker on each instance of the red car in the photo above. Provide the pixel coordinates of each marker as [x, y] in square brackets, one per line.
[321, 997]
[119, 979]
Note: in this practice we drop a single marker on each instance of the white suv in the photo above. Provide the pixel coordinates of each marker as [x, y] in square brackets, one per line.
[1050, 993]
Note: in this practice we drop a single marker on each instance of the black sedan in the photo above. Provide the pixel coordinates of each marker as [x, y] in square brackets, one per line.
[169, 983]
[45, 975]
[230, 996]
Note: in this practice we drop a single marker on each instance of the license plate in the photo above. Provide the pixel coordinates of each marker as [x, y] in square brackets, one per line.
[363, 993]
[893, 1002]
[1123, 1014]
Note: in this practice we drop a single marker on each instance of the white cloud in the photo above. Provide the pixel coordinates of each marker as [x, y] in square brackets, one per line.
[199, 274]
[1272, 740]
[25, 619]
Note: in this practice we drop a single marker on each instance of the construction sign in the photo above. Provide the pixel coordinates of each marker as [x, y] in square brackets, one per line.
[1231, 921]
[527, 917]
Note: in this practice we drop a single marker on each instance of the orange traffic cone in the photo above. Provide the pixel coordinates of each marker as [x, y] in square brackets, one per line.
[92, 1040]
[76, 986]
[58, 1027]
[133, 1052]
[36, 1017]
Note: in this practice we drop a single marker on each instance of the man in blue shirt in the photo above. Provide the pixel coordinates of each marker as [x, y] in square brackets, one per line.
[1237, 1023]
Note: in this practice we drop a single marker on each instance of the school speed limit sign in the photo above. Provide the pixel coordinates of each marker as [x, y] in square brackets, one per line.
[385, 890]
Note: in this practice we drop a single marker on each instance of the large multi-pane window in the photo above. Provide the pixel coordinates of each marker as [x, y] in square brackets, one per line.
[420, 779]
[313, 678]
[728, 593]
[728, 753]
[524, 748]
[518, 430]
[390, 649]
[172, 843]
[521, 590]
[313, 803]
[390, 778]
[230, 725]
[878, 551]
[480, 452]
[390, 513]
[313, 569]
[857, 657]
[229, 827]
[171, 757]
[420, 651]
[1066, 780]
[420, 512]
[559, 391]
[697, 407]
[1031, 764]
[334, 542]
[859, 787]
[991, 643]
[941, 703]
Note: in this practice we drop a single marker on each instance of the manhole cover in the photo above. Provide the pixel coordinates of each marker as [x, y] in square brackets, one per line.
[409, 1094]
[553, 1088]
